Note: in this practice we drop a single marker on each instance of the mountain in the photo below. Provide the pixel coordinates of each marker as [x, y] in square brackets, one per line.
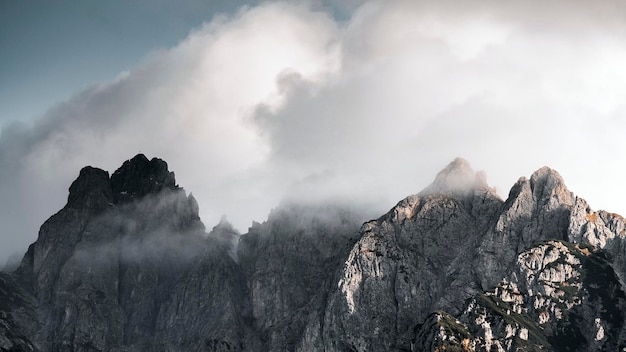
[127, 265]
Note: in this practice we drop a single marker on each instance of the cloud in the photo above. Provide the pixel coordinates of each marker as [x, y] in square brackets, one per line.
[283, 99]
[188, 105]
[509, 86]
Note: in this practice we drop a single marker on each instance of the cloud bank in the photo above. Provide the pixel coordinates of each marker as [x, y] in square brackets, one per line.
[284, 100]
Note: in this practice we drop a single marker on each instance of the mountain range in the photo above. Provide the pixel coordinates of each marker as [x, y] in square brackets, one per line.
[127, 265]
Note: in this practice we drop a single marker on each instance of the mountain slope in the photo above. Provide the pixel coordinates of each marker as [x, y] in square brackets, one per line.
[560, 297]
[127, 265]
[290, 263]
[454, 240]
[406, 263]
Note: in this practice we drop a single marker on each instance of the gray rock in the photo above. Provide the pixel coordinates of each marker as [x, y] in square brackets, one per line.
[210, 308]
[536, 210]
[409, 263]
[18, 318]
[290, 263]
[442, 332]
[560, 297]
[127, 265]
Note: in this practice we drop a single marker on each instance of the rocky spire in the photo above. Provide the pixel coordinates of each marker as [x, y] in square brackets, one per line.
[139, 176]
[226, 235]
[91, 190]
[224, 227]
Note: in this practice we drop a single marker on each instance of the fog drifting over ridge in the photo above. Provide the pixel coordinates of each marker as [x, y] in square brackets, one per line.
[283, 99]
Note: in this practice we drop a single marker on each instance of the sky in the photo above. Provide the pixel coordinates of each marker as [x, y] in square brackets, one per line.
[251, 103]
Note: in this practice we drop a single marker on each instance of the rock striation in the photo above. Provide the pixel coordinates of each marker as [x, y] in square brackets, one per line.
[127, 265]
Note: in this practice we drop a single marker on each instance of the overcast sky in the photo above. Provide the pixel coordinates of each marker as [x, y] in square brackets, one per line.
[354, 100]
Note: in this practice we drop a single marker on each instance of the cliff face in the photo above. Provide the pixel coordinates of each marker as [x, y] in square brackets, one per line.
[127, 265]
[409, 262]
[560, 296]
[456, 240]
[104, 265]
[18, 320]
[289, 263]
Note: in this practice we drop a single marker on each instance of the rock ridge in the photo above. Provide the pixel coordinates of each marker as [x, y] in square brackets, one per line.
[139, 176]
[127, 265]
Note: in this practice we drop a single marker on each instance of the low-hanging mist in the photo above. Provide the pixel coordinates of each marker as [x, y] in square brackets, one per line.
[284, 100]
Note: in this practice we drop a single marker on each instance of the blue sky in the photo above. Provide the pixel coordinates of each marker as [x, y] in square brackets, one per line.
[52, 49]
[362, 101]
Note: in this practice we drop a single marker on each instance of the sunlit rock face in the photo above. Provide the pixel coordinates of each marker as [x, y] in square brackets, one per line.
[457, 241]
[411, 262]
[560, 297]
[127, 265]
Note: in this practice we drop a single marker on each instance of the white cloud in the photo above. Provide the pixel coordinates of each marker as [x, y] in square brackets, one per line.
[280, 98]
[497, 83]
[189, 105]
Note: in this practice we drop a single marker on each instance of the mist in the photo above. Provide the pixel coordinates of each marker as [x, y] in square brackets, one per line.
[284, 101]
[160, 229]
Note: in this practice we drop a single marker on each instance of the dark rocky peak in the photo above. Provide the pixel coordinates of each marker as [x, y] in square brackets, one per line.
[457, 179]
[91, 190]
[139, 176]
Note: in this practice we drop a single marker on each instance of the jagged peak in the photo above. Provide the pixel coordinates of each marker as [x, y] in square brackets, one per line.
[458, 177]
[227, 235]
[193, 203]
[139, 176]
[224, 226]
[91, 190]
[546, 177]
[545, 185]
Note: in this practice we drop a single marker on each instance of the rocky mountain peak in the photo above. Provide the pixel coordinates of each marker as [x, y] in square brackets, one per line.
[457, 178]
[224, 230]
[139, 176]
[226, 236]
[544, 190]
[453, 268]
[91, 190]
[547, 183]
